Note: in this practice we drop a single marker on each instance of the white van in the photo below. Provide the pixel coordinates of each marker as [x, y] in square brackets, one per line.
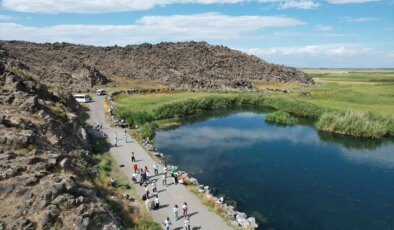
[100, 92]
[82, 98]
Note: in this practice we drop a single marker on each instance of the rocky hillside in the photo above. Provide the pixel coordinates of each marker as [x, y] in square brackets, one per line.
[45, 169]
[195, 65]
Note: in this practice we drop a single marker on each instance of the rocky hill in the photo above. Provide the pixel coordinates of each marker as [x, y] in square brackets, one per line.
[191, 65]
[45, 168]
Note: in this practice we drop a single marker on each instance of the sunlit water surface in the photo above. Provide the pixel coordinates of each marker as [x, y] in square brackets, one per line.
[290, 177]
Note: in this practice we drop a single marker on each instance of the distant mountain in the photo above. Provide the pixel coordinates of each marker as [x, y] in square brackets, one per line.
[189, 65]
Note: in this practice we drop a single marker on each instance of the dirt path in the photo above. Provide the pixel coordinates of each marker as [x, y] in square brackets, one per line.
[201, 217]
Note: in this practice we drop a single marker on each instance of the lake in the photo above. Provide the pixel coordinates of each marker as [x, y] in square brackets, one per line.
[289, 177]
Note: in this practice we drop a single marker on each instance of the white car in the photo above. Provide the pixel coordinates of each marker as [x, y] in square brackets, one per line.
[100, 92]
[83, 98]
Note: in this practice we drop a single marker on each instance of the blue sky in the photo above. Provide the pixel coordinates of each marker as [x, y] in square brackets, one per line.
[300, 33]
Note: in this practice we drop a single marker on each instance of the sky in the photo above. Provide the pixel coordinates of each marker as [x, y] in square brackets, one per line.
[299, 33]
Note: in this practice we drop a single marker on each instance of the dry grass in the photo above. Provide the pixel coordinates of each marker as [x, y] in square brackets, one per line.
[120, 83]
[275, 85]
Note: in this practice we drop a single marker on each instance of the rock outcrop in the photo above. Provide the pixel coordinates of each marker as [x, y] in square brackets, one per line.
[187, 65]
[45, 169]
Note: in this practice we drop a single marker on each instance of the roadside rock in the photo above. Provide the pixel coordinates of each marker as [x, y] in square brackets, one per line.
[45, 180]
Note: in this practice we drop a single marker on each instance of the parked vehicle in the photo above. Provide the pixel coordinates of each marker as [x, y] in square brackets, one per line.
[101, 92]
[82, 98]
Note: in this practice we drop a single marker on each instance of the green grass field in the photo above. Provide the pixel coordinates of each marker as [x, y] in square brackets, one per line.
[367, 91]
[148, 102]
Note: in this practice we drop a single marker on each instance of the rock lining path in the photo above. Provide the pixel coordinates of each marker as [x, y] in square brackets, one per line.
[201, 217]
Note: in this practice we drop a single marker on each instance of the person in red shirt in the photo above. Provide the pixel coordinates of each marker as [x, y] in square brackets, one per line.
[135, 167]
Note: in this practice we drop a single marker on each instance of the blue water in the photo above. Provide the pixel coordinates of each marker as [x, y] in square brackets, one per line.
[289, 177]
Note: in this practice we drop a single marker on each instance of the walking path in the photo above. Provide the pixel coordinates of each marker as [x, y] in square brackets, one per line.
[201, 217]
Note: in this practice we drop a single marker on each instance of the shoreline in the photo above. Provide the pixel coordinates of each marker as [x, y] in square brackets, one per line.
[227, 212]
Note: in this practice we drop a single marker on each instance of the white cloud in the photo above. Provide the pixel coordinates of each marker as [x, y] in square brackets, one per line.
[218, 137]
[306, 5]
[209, 26]
[6, 17]
[327, 56]
[350, 1]
[334, 50]
[94, 6]
[364, 19]
[321, 27]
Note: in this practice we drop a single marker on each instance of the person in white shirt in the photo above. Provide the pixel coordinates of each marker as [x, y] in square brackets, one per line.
[134, 177]
[155, 169]
[184, 208]
[167, 223]
[164, 180]
[175, 212]
[187, 222]
[157, 202]
[154, 186]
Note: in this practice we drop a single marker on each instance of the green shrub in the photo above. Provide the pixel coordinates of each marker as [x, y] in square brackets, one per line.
[280, 117]
[133, 118]
[148, 130]
[360, 124]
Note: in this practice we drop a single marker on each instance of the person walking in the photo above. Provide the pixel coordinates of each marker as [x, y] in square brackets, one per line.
[125, 136]
[154, 187]
[155, 169]
[116, 139]
[167, 223]
[187, 223]
[175, 212]
[135, 167]
[164, 180]
[146, 191]
[184, 209]
[141, 177]
[132, 157]
[157, 202]
[165, 170]
[134, 177]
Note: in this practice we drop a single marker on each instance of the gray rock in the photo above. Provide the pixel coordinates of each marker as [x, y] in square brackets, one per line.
[69, 184]
[65, 163]
[241, 215]
[244, 223]
[6, 189]
[193, 181]
[252, 222]
[81, 223]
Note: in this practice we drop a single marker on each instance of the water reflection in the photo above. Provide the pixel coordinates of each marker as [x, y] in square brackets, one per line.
[297, 177]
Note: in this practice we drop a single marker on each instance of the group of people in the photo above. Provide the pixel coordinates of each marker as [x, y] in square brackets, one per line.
[141, 176]
[116, 138]
[175, 212]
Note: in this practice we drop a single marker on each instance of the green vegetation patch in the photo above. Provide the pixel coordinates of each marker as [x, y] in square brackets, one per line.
[183, 104]
[369, 92]
[360, 124]
[280, 117]
[148, 130]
